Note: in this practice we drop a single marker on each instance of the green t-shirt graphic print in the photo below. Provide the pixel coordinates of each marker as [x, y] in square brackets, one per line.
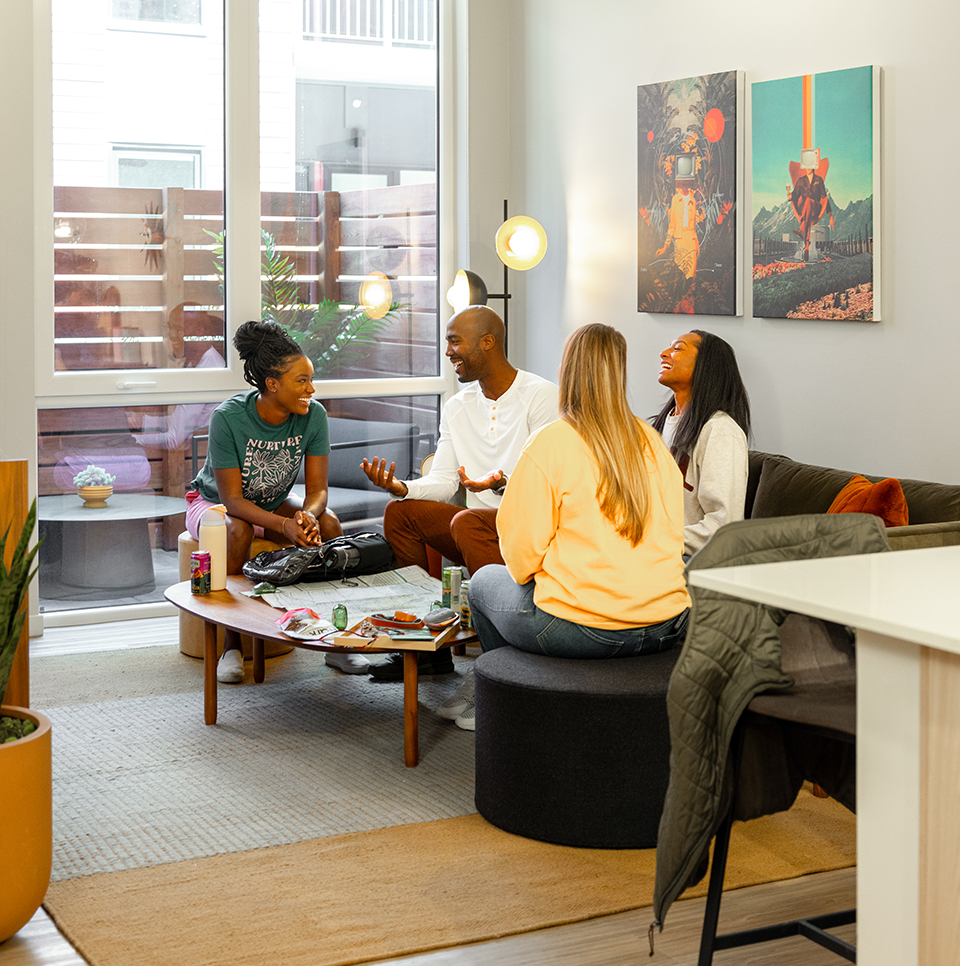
[268, 456]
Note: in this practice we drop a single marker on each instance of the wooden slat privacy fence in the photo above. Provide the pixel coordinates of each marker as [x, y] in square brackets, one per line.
[135, 273]
[134, 266]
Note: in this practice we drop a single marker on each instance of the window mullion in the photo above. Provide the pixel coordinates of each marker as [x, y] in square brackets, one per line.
[242, 166]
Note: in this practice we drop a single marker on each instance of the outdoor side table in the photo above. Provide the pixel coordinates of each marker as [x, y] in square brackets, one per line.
[107, 547]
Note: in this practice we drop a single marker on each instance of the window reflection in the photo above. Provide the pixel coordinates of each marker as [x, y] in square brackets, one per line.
[138, 177]
[349, 183]
[154, 452]
[162, 11]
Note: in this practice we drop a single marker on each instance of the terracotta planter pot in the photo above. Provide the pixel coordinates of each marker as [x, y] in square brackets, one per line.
[26, 829]
[94, 496]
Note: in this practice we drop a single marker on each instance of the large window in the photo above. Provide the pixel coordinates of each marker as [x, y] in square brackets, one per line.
[133, 208]
[348, 177]
[155, 264]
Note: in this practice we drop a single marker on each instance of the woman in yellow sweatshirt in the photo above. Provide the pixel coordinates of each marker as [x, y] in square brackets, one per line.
[591, 527]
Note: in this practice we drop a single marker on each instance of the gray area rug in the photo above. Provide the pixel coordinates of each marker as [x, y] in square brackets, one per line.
[310, 752]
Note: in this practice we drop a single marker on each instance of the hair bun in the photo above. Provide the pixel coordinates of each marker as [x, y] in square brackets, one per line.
[253, 334]
[264, 347]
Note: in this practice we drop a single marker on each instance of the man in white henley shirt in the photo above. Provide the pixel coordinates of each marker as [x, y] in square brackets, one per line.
[482, 431]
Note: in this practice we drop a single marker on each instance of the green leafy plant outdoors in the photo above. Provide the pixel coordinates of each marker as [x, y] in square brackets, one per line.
[13, 593]
[93, 476]
[330, 334]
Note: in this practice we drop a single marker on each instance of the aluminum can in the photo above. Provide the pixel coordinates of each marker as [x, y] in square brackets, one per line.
[451, 587]
[200, 572]
[465, 619]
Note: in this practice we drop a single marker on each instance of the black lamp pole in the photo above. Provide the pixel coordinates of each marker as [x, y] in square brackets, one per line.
[505, 295]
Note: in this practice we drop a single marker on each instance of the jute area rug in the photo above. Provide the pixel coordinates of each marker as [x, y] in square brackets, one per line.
[396, 891]
[291, 833]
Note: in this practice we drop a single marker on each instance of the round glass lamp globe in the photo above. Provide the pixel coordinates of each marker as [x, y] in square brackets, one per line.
[521, 242]
[468, 289]
[376, 295]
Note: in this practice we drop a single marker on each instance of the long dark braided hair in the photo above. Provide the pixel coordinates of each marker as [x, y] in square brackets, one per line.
[716, 386]
[266, 349]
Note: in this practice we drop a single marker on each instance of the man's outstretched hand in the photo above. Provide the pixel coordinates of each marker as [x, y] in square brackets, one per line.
[492, 481]
[381, 475]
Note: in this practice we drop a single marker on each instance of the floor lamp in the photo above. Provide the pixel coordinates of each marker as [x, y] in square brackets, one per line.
[521, 244]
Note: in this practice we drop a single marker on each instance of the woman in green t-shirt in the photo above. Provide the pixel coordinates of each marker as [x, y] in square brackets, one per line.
[257, 442]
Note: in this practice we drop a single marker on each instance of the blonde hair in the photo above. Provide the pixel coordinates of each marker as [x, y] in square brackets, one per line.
[593, 399]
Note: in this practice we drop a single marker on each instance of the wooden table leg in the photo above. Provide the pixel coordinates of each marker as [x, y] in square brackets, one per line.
[411, 737]
[258, 671]
[209, 672]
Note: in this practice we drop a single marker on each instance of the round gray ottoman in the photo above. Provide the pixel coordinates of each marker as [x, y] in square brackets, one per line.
[571, 751]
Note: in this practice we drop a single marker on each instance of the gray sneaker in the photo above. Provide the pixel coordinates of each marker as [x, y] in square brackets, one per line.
[230, 667]
[347, 663]
[454, 706]
[467, 721]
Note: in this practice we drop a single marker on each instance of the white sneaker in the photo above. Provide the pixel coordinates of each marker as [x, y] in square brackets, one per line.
[454, 706]
[347, 662]
[467, 721]
[230, 667]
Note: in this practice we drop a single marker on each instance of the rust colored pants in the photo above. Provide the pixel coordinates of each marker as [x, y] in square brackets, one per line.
[466, 537]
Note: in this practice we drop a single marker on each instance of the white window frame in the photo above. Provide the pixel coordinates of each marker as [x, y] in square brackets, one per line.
[150, 152]
[26, 273]
[81, 389]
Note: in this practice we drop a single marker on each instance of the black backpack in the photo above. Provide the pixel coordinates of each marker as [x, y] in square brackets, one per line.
[342, 557]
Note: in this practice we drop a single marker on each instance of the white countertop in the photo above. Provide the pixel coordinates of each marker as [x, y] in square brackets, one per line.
[913, 595]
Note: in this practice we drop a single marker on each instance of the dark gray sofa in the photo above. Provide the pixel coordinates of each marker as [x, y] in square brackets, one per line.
[779, 486]
[354, 499]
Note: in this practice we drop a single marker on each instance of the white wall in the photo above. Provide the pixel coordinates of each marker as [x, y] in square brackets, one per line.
[869, 397]
[23, 167]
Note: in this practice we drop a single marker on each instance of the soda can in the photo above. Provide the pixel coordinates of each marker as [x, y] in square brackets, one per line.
[451, 587]
[465, 605]
[200, 572]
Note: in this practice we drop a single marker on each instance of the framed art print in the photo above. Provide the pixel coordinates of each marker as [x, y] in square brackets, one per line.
[816, 188]
[688, 225]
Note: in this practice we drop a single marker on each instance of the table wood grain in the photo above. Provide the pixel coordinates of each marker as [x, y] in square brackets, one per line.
[232, 609]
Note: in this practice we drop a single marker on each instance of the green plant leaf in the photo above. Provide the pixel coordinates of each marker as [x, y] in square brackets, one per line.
[331, 335]
[14, 581]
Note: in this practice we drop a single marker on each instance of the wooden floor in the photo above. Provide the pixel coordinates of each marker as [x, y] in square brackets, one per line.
[616, 940]
[608, 941]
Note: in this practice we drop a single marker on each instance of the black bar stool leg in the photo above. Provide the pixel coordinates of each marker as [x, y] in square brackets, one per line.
[711, 915]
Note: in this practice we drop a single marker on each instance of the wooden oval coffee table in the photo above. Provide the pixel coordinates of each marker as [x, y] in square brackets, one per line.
[230, 608]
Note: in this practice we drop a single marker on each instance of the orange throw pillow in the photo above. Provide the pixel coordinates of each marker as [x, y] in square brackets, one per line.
[884, 499]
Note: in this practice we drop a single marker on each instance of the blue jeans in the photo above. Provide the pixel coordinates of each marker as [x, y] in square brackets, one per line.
[504, 613]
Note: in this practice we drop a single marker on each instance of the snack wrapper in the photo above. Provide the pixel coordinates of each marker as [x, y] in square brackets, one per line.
[303, 624]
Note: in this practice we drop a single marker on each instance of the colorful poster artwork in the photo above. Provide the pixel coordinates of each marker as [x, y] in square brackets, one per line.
[687, 151]
[815, 177]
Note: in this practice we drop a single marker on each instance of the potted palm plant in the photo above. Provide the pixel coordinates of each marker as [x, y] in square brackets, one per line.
[25, 762]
